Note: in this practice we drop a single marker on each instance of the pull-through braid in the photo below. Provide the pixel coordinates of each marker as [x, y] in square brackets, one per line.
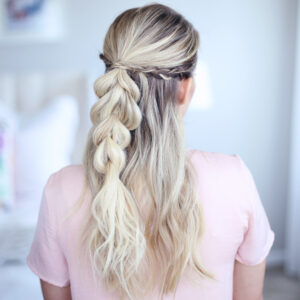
[113, 116]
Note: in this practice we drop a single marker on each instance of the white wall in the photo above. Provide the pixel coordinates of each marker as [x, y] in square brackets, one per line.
[293, 221]
[249, 49]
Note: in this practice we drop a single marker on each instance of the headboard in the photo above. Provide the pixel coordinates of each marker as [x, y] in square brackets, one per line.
[28, 92]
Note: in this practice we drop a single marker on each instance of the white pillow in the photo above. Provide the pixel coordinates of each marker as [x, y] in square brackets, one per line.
[44, 144]
[8, 123]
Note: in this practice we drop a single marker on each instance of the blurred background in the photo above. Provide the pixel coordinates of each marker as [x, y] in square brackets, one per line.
[247, 102]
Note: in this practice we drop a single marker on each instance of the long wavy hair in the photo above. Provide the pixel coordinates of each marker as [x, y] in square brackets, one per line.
[145, 220]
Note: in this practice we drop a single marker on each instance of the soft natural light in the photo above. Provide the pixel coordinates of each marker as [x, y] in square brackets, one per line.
[202, 98]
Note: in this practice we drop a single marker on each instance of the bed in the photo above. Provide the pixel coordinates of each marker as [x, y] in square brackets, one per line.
[50, 116]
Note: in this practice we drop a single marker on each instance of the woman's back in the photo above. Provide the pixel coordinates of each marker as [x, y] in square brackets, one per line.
[235, 228]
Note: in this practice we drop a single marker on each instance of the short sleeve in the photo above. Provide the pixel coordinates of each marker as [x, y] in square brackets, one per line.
[46, 258]
[259, 237]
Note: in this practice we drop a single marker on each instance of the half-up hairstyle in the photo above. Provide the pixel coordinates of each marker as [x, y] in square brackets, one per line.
[145, 220]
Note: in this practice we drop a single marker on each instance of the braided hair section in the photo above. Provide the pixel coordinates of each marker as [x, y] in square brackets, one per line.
[113, 116]
[158, 73]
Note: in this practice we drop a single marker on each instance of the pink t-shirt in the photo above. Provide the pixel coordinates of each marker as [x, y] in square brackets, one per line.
[236, 225]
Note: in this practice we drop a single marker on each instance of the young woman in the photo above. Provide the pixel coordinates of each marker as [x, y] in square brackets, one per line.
[143, 217]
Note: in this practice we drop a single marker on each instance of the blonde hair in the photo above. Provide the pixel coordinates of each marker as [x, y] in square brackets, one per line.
[145, 213]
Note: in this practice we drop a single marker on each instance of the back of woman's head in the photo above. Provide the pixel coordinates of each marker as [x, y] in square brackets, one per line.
[152, 39]
[145, 214]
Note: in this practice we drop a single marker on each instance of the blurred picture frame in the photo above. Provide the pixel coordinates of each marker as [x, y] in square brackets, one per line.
[29, 21]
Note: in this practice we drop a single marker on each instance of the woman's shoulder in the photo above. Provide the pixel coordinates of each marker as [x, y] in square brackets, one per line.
[226, 172]
[66, 182]
[216, 160]
[69, 173]
[71, 169]
[225, 175]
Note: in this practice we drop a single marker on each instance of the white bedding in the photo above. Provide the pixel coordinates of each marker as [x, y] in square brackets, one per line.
[49, 137]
